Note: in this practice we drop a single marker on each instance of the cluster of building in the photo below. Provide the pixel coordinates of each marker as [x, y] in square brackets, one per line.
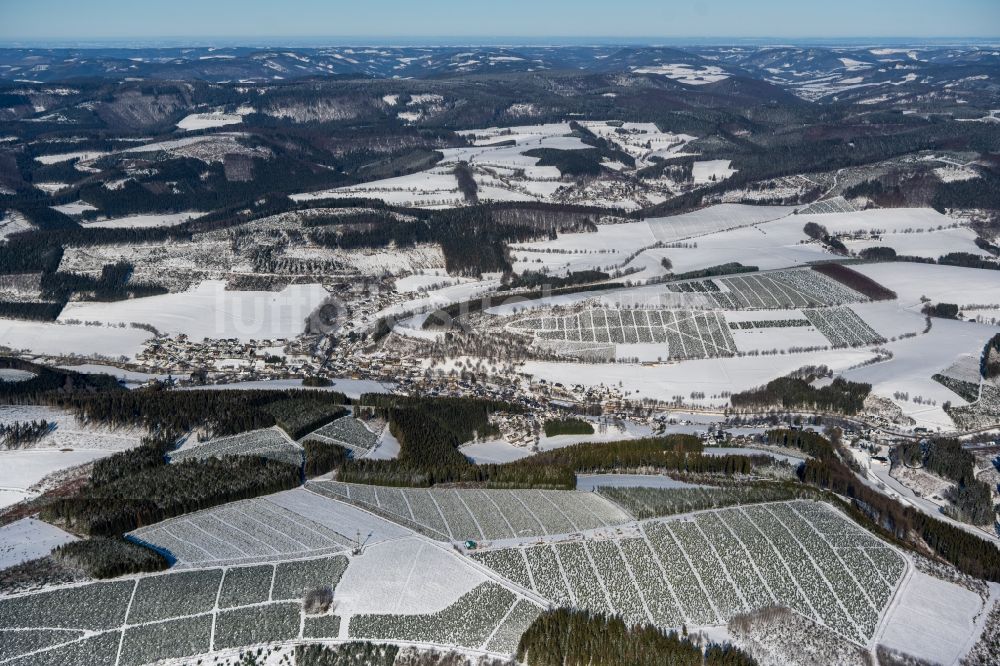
[226, 360]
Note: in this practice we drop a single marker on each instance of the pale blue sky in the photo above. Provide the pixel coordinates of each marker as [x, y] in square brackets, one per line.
[83, 20]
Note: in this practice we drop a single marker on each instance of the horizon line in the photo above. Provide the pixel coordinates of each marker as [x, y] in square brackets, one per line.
[347, 41]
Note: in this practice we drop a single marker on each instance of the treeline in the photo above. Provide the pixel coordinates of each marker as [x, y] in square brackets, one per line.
[983, 192]
[569, 637]
[473, 238]
[429, 431]
[605, 148]
[967, 552]
[429, 436]
[941, 310]
[42, 251]
[355, 653]
[162, 410]
[49, 219]
[125, 495]
[103, 557]
[521, 474]
[473, 242]
[389, 231]
[197, 186]
[585, 162]
[678, 453]
[795, 393]
[533, 280]
[466, 182]
[300, 416]
[114, 284]
[730, 268]
[29, 252]
[989, 363]
[646, 503]
[968, 260]
[878, 253]
[869, 188]
[568, 426]
[18, 433]
[856, 281]
[809, 442]
[882, 142]
[322, 457]
[961, 259]
[820, 233]
[31, 311]
[48, 383]
[972, 498]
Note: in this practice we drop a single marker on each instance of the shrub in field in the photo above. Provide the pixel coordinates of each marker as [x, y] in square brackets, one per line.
[878, 254]
[941, 310]
[318, 600]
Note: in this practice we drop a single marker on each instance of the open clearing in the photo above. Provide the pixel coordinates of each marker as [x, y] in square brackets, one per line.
[27, 539]
[210, 311]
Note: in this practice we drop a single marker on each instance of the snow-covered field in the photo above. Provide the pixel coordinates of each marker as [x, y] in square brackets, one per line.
[209, 311]
[405, 576]
[915, 360]
[495, 171]
[711, 376]
[82, 155]
[126, 376]
[504, 172]
[15, 375]
[28, 539]
[55, 339]
[711, 171]
[502, 451]
[387, 447]
[932, 618]
[930, 244]
[21, 470]
[946, 284]
[885, 220]
[74, 208]
[68, 432]
[685, 73]
[199, 121]
[715, 235]
[145, 221]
